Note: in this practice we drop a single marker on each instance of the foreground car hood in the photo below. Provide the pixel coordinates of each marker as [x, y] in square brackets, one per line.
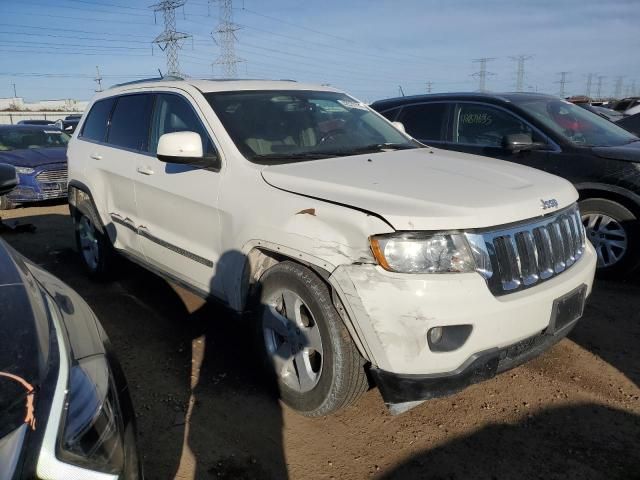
[427, 189]
[34, 157]
[629, 153]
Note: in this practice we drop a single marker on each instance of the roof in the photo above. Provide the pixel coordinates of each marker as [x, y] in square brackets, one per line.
[207, 86]
[504, 97]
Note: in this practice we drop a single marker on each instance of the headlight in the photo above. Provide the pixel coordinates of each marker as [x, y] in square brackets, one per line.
[416, 252]
[92, 433]
[25, 170]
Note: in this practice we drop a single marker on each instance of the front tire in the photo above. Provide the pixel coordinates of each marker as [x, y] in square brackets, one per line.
[305, 344]
[613, 230]
[96, 252]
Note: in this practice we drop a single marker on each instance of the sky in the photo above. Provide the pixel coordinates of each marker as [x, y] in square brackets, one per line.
[372, 49]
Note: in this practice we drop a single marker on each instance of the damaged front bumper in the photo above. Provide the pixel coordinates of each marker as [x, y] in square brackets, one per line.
[390, 316]
[402, 392]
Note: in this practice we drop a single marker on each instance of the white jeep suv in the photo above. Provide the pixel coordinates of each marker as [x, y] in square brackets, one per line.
[358, 250]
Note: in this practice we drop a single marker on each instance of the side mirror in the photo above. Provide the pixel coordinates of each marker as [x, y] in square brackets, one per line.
[518, 142]
[8, 178]
[399, 126]
[184, 148]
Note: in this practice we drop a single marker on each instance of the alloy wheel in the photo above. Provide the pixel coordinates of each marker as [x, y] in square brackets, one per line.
[89, 242]
[293, 341]
[608, 236]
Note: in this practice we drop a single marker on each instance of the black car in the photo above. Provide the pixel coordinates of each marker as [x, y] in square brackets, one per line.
[65, 409]
[631, 123]
[607, 113]
[601, 159]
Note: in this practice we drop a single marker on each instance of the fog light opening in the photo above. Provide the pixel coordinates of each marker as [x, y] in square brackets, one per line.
[448, 338]
[435, 335]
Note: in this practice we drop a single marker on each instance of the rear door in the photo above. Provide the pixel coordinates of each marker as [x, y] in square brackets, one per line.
[426, 122]
[178, 204]
[113, 125]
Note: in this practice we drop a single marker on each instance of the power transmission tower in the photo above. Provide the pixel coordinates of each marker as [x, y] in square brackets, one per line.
[429, 86]
[521, 59]
[599, 88]
[589, 84]
[482, 74]
[618, 90]
[225, 36]
[98, 79]
[563, 82]
[170, 40]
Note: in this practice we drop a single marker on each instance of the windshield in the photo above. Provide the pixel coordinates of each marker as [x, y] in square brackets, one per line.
[575, 124]
[289, 126]
[23, 138]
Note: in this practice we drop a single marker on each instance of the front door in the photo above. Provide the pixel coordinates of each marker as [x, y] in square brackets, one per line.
[178, 204]
[480, 129]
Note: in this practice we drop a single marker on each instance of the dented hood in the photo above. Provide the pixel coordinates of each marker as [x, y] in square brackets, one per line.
[427, 189]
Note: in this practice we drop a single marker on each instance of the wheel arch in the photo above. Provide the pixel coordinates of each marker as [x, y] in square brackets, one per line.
[262, 255]
[614, 193]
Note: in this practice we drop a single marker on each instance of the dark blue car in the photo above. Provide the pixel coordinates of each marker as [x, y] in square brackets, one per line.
[39, 154]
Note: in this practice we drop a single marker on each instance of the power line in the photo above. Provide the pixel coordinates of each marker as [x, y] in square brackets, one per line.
[482, 74]
[589, 83]
[225, 36]
[618, 89]
[599, 87]
[520, 59]
[98, 79]
[170, 40]
[563, 82]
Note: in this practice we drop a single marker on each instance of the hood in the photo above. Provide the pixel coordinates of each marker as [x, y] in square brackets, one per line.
[34, 157]
[628, 153]
[427, 189]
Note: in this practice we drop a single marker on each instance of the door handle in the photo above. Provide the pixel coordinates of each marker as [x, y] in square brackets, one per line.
[95, 156]
[145, 170]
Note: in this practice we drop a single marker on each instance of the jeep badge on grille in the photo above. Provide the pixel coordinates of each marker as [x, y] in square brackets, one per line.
[551, 203]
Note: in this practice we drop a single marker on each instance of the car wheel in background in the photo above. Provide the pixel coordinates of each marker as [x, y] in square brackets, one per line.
[613, 230]
[305, 344]
[94, 246]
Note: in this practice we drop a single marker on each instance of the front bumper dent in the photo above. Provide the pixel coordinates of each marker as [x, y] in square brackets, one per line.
[403, 391]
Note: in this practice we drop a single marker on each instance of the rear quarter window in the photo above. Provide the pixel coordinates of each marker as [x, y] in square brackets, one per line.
[95, 126]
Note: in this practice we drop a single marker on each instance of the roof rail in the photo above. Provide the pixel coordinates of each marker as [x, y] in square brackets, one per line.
[152, 79]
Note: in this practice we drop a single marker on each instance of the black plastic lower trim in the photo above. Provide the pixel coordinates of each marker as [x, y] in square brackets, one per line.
[400, 388]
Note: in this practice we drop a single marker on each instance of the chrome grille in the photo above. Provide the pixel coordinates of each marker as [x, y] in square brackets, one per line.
[57, 175]
[524, 255]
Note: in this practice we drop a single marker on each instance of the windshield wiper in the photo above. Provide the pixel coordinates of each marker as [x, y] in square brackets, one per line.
[276, 157]
[375, 147]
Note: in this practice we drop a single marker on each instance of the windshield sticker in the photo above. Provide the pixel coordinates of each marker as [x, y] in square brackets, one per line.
[352, 104]
[53, 132]
[477, 119]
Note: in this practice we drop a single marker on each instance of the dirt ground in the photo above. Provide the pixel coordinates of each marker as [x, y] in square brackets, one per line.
[205, 412]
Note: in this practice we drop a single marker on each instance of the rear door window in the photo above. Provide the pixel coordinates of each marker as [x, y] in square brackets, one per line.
[130, 122]
[425, 121]
[172, 113]
[95, 126]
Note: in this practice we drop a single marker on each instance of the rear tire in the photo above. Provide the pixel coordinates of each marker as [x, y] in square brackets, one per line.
[6, 204]
[304, 343]
[613, 230]
[96, 252]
